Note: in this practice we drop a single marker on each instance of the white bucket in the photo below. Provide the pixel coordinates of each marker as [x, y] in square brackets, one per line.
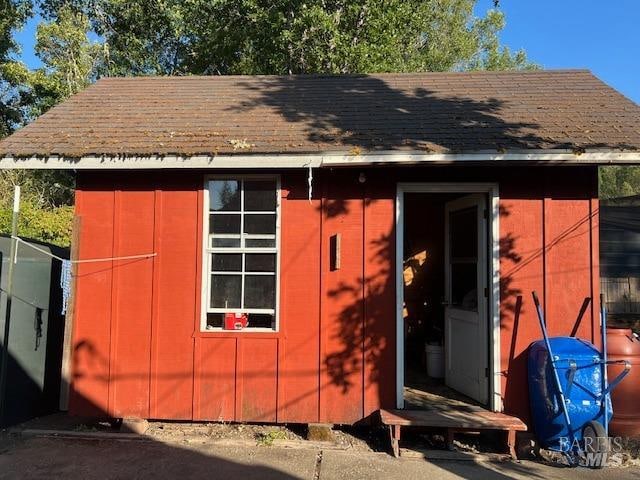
[435, 360]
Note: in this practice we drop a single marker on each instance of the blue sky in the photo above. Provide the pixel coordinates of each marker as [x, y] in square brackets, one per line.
[601, 35]
[27, 40]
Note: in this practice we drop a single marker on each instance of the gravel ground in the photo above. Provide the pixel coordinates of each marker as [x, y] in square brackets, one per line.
[489, 446]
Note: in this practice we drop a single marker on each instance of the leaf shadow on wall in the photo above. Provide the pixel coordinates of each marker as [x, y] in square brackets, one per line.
[518, 317]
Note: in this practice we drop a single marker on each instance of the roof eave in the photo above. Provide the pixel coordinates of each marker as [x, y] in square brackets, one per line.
[318, 159]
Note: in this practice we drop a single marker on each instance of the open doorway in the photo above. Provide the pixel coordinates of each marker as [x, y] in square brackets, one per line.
[447, 279]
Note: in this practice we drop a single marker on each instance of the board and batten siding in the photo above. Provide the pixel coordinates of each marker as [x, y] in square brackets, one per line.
[137, 345]
[549, 243]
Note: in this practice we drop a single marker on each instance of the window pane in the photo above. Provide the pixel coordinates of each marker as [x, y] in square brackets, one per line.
[214, 320]
[217, 242]
[224, 195]
[260, 262]
[224, 224]
[260, 195]
[260, 224]
[260, 242]
[226, 262]
[261, 320]
[259, 291]
[463, 228]
[464, 290]
[226, 291]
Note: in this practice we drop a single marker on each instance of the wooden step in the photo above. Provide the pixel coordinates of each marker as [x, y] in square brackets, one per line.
[467, 419]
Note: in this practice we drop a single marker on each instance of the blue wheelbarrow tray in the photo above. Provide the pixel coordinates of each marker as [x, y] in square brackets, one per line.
[579, 367]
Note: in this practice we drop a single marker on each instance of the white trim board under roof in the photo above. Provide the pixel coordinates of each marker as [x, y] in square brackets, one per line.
[317, 160]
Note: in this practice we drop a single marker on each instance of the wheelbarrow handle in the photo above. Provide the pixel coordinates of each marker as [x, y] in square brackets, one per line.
[621, 375]
[554, 370]
[618, 362]
[536, 300]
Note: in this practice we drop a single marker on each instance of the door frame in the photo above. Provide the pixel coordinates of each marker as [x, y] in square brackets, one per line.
[493, 266]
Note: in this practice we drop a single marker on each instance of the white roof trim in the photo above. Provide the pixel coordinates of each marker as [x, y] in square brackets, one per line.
[544, 156]
[315, 160]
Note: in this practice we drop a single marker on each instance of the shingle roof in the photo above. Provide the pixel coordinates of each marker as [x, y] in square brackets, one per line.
[429, 112]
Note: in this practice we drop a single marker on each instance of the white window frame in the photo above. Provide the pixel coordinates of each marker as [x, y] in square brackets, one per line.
[207, 250]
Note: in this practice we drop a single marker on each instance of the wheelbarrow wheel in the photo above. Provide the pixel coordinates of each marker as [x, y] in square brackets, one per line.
[594, 439]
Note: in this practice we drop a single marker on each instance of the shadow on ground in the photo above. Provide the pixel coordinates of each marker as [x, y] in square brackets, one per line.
[47, 457]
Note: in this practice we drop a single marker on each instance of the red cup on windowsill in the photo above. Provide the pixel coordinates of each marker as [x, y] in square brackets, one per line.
[235, 321]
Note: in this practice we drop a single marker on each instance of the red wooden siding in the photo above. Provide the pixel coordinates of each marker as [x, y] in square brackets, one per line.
[215, 388]
[131, 303]
[380, 295]
[92, 326]
[567, 263]
[175, 298]
[299, 352]
[548, 236]
[257, 379]
[521, 272]
[342, 302]
[138, 348]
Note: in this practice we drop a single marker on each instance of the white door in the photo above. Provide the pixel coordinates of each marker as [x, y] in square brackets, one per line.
[466, 329]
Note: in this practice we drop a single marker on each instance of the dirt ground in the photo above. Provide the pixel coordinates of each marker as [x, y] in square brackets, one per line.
[363, 439]
[260, 434]
[48, 457]
[65, 447]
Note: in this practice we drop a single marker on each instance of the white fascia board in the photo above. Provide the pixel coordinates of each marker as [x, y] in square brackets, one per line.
[155, 162]
[540, 156]
[315, 160]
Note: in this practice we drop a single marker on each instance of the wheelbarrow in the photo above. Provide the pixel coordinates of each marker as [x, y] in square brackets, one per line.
[570, 394]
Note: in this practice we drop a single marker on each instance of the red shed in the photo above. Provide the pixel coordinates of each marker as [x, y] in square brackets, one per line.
[286, 249]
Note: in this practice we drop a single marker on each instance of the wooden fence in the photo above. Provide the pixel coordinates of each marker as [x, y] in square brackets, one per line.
[622, 295]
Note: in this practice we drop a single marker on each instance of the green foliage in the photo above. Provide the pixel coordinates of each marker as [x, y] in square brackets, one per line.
[619, 181]
[46, 188]
[46, 210]
[48, 225]
[267, 439]
[286, 36]
[70, 60]
[14, 94]
[490, 55]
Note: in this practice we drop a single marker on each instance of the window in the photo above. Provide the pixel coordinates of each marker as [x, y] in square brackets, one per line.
[463, 256]
[241, 249]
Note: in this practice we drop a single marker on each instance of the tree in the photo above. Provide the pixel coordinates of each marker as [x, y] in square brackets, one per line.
[359, 36]
[619, 181]
[286, 36]
[70, 60]
[13, 90]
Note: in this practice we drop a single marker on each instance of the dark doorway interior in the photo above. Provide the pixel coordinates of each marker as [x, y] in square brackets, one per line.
[424, 293]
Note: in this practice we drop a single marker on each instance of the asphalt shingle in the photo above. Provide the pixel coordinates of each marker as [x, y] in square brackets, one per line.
[428, 112]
